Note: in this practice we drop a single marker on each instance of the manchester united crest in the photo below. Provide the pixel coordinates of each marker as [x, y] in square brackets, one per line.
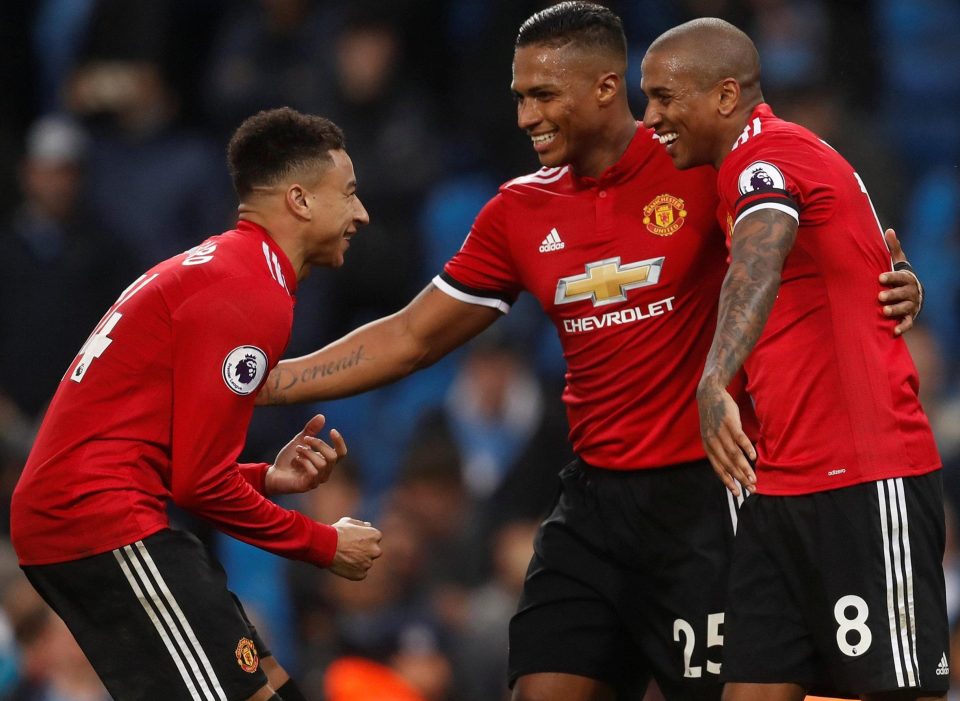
[664, 215]
[247, 656]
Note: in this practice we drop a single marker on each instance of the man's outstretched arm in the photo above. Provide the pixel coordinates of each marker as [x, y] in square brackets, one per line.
[387, 349]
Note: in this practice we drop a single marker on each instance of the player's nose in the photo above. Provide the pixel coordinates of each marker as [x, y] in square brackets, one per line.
[651, 116]
[361, 217]
[528, 115]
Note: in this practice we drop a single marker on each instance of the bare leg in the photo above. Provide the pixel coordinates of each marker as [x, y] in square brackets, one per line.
[276, 675]
[265, 693]
[740, 691]
[551, 686]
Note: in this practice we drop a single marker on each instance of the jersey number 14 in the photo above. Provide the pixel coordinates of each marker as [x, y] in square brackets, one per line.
[100, 339]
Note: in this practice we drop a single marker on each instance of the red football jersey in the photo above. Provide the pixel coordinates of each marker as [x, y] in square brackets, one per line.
[835, 391]
[628, 267]
[156, 407]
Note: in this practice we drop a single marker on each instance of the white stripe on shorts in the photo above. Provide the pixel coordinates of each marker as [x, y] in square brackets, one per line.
[899, 580]
[735, 503]
[184, 656]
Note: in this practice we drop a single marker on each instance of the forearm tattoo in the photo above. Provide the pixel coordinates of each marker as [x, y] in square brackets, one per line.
[283, 379]
[759, 247]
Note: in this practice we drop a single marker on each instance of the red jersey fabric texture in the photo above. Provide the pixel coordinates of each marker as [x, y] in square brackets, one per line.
[834, 390]
[155, 407]
[628, 267]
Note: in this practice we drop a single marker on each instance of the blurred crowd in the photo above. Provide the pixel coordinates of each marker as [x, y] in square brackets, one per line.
[113, 123]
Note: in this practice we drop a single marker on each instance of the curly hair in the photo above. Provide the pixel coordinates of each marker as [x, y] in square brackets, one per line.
[272, 144]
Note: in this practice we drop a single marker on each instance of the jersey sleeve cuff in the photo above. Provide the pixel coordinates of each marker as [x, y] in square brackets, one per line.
[459, 291]
[255, 474]
[323, 547]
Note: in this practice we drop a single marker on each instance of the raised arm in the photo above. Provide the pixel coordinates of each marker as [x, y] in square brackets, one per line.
[759, 246]
[387, 349]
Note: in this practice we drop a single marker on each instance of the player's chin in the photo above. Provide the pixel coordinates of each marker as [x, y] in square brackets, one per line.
[552, 159]
[681, 161]
[685, 158]
[338, 257]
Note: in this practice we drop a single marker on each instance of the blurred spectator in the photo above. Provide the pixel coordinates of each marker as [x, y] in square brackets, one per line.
[431, 496]
[59, 271]
[52, 664]
[389, 617]
[11, 671]
[482, 622]
[18, 98]
[931, 233]
[392, 124]
[918, 41]
[269, 53]
[360, 679]
[480, 118]
[941, 402]
[370, 618]
[493, 408]
[160, 186]
[508, 431]
[59, 31]
[792, 37]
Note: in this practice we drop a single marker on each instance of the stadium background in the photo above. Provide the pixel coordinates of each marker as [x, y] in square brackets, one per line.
[113, 120]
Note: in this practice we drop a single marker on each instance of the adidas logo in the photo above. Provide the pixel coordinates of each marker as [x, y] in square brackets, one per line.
[943, 669]
[552, 242]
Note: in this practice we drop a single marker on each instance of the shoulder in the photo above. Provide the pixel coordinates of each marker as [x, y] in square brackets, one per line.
[227, 270]
[768, 136]
[235, 301]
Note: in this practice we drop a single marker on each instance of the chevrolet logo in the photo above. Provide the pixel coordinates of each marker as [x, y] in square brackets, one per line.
[606, 281]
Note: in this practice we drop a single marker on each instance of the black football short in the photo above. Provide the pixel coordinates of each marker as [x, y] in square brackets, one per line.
[841, 591]
[156, 621]
[628, 580]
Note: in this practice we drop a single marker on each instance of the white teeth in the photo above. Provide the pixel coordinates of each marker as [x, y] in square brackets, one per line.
[542, 138]
[667, 138]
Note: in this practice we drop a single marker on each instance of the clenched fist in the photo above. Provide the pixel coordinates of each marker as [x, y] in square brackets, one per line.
[358, 545]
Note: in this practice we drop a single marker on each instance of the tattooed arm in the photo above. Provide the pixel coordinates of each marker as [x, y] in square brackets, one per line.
[760, 244]
[421, 333]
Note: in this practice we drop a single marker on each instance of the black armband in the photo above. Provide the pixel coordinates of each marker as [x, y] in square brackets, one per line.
[903, 265]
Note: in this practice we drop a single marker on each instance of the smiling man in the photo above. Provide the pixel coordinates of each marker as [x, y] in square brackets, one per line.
[155, 407]
[836, 580]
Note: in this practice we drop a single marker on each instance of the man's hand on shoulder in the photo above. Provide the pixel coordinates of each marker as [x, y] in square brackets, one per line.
[358, 545]
[306, 461]
[905, 297]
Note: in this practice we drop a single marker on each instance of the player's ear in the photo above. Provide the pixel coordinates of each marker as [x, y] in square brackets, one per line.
[728, 96]
[297, 201]
[607, 88]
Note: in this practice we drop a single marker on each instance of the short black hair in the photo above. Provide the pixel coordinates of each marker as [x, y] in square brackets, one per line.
[585, 23]
[272, 144]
